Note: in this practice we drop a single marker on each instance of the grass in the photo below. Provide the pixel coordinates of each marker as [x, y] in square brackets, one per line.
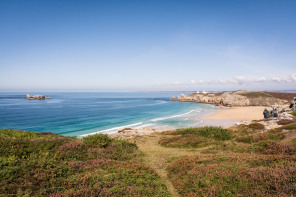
[293, 113]
[45, 164]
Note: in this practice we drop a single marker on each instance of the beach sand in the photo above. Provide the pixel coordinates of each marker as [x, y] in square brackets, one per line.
[237, 113]
[224, 117]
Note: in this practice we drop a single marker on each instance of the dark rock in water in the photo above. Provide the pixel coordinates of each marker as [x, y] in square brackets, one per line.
[38, 97]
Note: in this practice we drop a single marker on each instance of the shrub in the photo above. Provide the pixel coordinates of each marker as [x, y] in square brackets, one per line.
[256, 126]
[277, 148]
[97, 140]
[45, 164]
[234, 175]
[288, 127]
[284, 122]
[184, 141]
[253, 138]
[212, 132]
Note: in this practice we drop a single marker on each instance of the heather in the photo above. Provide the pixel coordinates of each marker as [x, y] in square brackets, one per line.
[244, 160]
[234, 175]
[46, 164]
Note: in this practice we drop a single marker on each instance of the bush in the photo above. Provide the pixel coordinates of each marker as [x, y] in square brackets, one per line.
[45, 164]
[284, 122]
[184, 141]
[212, 132]
[277, 148]
[253, 138]
[288, 127]
[234, 175]
[256, 126]
[97, 140]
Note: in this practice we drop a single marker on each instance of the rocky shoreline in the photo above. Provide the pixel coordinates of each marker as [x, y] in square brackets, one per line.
[238, 98]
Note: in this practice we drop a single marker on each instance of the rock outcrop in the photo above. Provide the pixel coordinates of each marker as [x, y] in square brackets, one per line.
[239, 98]
[38, 97]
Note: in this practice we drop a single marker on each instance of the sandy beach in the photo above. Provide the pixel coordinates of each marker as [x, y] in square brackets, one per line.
[237, 113]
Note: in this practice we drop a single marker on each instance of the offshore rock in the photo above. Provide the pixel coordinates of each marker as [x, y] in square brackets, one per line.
[38, 97]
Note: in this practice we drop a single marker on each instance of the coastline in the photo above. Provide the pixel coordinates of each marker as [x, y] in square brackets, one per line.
[224, 117]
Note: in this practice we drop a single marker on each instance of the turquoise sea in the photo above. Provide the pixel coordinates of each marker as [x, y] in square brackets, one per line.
[75, 114]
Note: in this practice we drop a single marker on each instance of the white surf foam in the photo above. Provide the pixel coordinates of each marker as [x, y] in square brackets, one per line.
[114, 129]
[145, 125]
[174, 116]
[128, 101]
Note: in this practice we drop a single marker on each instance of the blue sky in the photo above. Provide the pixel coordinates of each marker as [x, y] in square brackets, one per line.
[147, 45]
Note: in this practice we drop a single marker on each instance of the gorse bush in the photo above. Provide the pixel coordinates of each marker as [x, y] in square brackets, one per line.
[45, 164]
[212, 132]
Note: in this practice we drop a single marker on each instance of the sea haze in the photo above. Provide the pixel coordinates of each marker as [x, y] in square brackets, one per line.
[75, 114]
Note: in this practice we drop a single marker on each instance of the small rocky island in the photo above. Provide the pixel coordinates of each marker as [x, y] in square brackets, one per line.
[38, 97]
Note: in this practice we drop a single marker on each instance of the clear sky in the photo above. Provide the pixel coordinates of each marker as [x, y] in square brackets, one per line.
[59, 45]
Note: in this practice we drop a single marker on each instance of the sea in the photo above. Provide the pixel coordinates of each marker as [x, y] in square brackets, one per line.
[80, 113]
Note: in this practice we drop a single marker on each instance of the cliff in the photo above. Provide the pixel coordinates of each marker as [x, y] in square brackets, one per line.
[239, 98]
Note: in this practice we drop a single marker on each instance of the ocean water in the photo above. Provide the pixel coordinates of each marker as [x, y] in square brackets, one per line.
[75, 114]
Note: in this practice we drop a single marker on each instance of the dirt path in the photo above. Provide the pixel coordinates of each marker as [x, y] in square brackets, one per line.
[156, 156]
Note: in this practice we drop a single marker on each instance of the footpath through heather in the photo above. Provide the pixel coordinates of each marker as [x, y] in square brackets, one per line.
[157, 156]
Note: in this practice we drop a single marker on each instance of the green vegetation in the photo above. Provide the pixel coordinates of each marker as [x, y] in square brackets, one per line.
[216, 133]
[46, 164]
[284, 122]
[196, 137]
[234, 175]
[293, 113]
[244, 160]
[248, 162]
[289, 127]
[256, 126]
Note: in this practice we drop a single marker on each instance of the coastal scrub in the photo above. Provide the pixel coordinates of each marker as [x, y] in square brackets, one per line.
[47, 164]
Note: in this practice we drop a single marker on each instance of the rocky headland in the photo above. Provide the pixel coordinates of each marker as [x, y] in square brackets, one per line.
[239, 98]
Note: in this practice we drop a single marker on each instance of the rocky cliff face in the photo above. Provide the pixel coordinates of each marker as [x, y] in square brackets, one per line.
[239, 98]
